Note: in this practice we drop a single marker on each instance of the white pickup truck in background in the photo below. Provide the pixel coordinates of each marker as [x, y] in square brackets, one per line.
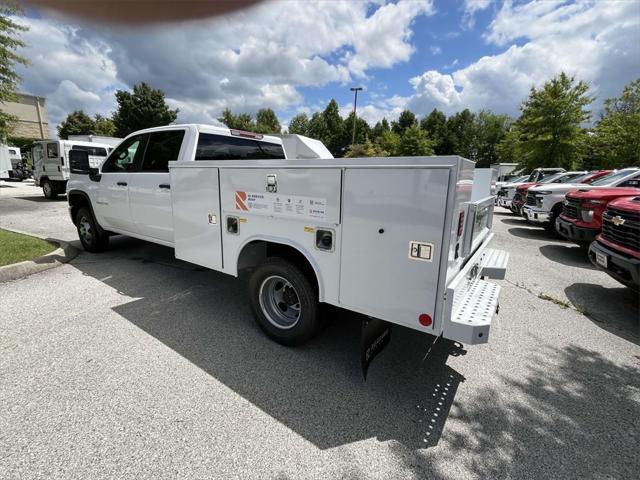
[396, 239]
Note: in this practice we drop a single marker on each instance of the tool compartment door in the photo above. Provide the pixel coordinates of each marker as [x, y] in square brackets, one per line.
[195, 199]
[393, 224]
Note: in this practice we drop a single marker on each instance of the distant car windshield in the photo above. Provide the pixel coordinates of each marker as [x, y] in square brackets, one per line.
[569, 177]
[602, 177]
[612, 177]
[550, 178]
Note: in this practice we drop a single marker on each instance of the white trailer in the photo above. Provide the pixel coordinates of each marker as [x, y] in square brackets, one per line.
[396, 239]
[5, 162]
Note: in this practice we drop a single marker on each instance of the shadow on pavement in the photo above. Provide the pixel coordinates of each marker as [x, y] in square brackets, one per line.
[575, 414]
[514, 221]
[570, 255]
[535, 233]
[42, 198]
[616, 310]
[316, 390]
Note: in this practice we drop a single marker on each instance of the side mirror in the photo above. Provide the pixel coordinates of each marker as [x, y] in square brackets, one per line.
[79, 162]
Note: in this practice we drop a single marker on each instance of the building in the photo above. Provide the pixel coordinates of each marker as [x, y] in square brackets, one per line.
[31, 111]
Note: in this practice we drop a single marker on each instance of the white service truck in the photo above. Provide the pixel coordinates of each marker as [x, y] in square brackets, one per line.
[51, 162]
[396, 239]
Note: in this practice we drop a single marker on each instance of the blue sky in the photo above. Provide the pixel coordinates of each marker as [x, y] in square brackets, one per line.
[294, 56]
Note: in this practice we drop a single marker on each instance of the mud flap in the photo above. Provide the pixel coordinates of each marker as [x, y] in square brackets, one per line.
[374, 337]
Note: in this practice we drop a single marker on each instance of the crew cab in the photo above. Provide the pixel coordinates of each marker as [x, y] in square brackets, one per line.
[543, 203]
[519, 198]
[580, 219]
[396, 239]
[617, 249]
[51, 162]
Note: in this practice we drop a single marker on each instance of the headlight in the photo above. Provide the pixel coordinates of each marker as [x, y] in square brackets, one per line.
[587, 215]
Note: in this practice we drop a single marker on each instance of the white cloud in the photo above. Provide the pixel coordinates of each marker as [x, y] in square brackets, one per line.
[470, 7]
[435, 50]
[252, 59]
[596, 42]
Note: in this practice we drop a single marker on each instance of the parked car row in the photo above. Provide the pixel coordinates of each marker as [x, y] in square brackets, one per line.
[599, 210]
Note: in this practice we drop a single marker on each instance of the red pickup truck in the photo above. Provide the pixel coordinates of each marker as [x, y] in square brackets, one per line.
[617, 249]
[581, 217]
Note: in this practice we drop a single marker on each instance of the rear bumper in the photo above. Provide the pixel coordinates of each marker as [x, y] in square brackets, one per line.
[623, 268]
[534, 215]
[575, 233]
[471, 301]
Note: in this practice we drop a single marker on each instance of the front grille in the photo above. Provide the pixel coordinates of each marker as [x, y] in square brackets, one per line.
[627, 232]
[531, 199]
[571, 208]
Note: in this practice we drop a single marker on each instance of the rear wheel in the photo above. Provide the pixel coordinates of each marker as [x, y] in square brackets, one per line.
[284, 302]
[49, 189]
[93, 238]
[555, 213]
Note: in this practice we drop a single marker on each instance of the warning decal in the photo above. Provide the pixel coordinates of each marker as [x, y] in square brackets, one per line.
[281, 205]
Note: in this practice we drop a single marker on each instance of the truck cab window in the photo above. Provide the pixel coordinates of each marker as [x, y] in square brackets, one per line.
[94, 151]
[221, 147]
[123, 159]
[52, 150]
[163, 147]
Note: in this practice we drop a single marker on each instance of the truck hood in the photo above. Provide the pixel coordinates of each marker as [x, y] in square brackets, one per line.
[629, 204]
[603, 193]
[558, 187]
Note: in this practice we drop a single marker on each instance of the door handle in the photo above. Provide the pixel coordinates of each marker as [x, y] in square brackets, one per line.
[164, 185]
[122, 184]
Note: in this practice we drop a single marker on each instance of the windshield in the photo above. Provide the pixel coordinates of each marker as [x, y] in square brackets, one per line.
[612, 177]
[570, 177]
[550, 178]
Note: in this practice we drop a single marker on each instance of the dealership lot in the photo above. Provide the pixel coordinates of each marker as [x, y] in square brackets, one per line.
[131, 364]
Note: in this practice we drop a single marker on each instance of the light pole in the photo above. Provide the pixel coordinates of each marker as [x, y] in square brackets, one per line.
[355, 90]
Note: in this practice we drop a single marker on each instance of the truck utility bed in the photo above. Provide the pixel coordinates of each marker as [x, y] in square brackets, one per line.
[409, 246]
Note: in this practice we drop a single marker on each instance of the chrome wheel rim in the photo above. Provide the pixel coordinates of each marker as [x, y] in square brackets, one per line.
[280, 302]
[47, 188]
[84, 229]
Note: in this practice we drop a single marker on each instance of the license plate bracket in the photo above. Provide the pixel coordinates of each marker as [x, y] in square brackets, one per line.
[602, 259]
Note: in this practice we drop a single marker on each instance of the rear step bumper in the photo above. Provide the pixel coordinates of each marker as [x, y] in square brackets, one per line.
[471, 301]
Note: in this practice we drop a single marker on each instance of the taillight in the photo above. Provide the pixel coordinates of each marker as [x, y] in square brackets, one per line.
[460, 224]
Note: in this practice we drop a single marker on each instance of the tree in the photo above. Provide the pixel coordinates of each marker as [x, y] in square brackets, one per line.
[9, 79]
[489, 130]
[103, 126]
[390, 142]
[379, 128]
[366, 149]
[363, 131]
[508, 150]
[460, 135]
[299, 124]
[415, 142]
[333, 123]
[615, 142]
[267, 121]
[550, 123]
[243, 121]
[145, 107]
[435, 124]
[76, 123]
[405, 120]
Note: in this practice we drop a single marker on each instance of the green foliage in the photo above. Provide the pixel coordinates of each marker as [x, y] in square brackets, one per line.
[103, 126]
[415, 142]
[460, 132]
[615, 142]
[366, 149]
[145, 107]
[267, 121]
[299, 124]
[379, 128]
[363, 131]
[435, 124]
[76, 123]
[489, 130]
[508, 150]
[17, 247]
[550, 124]
[9, 43]
[405, 120]
[390, 142]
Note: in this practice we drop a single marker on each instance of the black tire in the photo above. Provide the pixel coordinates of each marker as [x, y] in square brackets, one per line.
[268, 313]
[551, 227]
[49, 189]
[93, 238]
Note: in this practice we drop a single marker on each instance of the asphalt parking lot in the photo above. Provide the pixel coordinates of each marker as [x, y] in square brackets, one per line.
[131, 364]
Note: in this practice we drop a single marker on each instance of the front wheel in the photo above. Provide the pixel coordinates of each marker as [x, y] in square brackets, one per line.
[48, 189]
[284, 302]
[93, 238]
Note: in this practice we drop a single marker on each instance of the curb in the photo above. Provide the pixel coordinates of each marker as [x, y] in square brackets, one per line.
[63, 254]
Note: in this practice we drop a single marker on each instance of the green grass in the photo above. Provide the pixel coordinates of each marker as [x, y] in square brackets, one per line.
[15, 247]
[549, 298]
